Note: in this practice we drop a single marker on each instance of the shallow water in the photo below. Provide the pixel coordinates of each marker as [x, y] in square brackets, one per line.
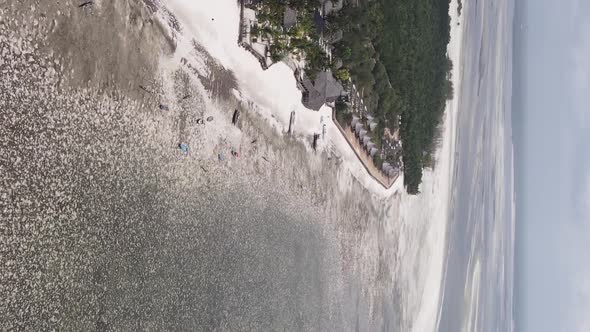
[105, 224]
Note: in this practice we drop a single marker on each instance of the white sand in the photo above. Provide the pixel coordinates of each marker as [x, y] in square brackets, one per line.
[422, 221]
[273, 90]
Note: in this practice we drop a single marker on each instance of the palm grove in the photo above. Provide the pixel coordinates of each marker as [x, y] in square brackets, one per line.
[395, 52]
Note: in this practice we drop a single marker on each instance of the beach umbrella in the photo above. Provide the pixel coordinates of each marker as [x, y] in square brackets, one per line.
[358, 127]
[183, 147]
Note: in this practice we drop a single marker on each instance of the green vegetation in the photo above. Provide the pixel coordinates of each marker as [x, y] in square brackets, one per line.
[377, 161]
[395, 53]
[400, 65]
[343, 116]
[343, 74]
[302, 38]
[341, 105]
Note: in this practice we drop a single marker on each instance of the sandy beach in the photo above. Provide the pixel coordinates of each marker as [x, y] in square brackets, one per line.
[105, 224]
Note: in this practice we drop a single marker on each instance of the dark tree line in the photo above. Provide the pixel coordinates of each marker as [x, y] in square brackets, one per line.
[396, 53]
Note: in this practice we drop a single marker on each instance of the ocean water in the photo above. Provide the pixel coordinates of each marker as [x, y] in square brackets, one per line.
[105, 225]
[467, 283]
[123, 232]
[478, 279]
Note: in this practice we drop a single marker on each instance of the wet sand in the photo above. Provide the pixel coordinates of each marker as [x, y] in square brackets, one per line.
[106, 225]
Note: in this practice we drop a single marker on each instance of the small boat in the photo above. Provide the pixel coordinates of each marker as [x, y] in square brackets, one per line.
[235, 117]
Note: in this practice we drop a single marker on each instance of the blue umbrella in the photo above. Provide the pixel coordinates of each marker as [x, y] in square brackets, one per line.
[183, 147]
